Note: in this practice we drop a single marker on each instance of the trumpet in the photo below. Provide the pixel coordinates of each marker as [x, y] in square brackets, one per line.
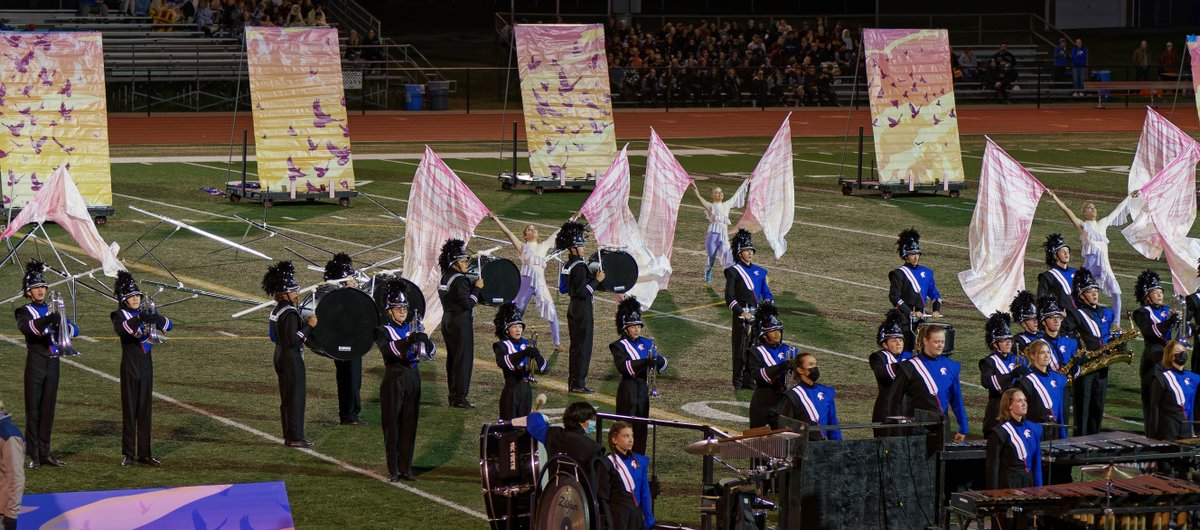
[529, 378]
[653, 376]
[151, 310]
[61, 336]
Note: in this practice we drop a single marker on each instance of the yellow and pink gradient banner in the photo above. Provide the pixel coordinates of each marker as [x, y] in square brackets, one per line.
[301, 132]
[54, 112]
[913, 115]
[566, 98]
[1193, 45]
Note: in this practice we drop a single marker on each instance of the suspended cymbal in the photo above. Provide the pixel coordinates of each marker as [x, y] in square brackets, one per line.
[706, 447]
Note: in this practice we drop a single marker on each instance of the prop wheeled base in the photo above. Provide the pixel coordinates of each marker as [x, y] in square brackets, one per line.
[890, 189]
[99, 213]
[539, 184]
[238, 190]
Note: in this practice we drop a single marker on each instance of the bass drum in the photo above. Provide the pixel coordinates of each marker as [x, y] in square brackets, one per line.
[416, 299]
[620, 270]
[565, 501]
[501, 280]
[508, 467]
[346, 322]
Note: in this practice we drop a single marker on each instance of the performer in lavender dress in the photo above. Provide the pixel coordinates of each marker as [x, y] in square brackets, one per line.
[1093, 232]
[716, 243]
[533, 272]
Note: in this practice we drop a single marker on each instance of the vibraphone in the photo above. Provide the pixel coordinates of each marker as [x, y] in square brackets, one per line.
[1103, 448]
[1147, 501]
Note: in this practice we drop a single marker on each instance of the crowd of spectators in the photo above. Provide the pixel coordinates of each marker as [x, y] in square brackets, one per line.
[215, 17]
[730, 63]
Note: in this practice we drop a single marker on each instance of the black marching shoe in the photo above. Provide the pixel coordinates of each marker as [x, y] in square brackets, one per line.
[407, 475]
[53, 462]
[150, 461]
[581, 390]
[33, 464]
[302, 444]
[127, 461]
[463, 405]
[353, 421]
[394, 477]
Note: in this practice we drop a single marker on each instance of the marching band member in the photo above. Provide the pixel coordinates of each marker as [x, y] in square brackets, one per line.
[1001, 369]
[634, 356]
[340, 271]
[1093, 233]
[929, 381]
[1192, 317]
[131, 321]
[533, 273]
[768, 363]
[890, 338]
[630, 507]
[41, 364]
[745, 290]
[912, 285]
[1014, 447]
[459, 296]
[12, 472]
[1025, 312]
[517, 359]
[1093, 324]
[1063, 348]
[288, 334]
[1155, 321]
[1173, 395]
[1057, 279]
[1045, 388]
[716, 242]
[403, 346]
[809, 402]
[575, 439]
[577, 281]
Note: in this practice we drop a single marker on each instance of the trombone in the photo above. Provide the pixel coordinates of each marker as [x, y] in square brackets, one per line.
[61, 336]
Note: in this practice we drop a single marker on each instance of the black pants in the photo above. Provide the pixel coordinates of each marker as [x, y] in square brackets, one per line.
[580, 323]
[625, 514]
[740, 342]
[633, 399]
[1088, 398]
[289, 368]
[764, 407]
[399, 404]
[1148, 369]
[349, 387]
[41, 396]
[516, 399]
[460, 354]
[137, 387]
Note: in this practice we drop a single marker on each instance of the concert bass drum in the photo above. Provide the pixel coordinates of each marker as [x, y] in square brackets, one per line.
[501, 280]
[565, 501]
[620, 270]
[346, 322]
[508, 467]
[416, 299]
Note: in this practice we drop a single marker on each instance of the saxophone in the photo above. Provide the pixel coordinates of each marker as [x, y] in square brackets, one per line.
[1115, 351]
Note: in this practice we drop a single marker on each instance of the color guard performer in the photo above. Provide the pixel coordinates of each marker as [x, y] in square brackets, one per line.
[459, 296]
[39, 326]
[630, 507]
[634, 356]
[132, 322]
[1173, 395]
[1093, 234]
[404, 344]
[518, 359]
[578, 282]
[288, 334]
[1014, 447]
[1192, 317]
[533, 273]
[1063, 348]
[930, 382]
[1057, 279]
[808, 402]
[1001, 369]
[912, 285]
[746, 290]
[768, 362]
[1093, 324]
[1025, 312]
[890, 338]
[716, 242]
[340, 271]
[1046, 390]
[1156, 322]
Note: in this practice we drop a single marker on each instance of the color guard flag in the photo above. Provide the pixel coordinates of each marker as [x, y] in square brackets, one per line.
[1161, 143]
[666, 182]
[1170, 206]
[771, 202]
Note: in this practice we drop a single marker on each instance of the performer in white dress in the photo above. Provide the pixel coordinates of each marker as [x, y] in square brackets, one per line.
[1093, 233]
[716, 243]
[533, 272]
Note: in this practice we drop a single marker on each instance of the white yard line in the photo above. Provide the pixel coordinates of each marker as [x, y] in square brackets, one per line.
[226, 333]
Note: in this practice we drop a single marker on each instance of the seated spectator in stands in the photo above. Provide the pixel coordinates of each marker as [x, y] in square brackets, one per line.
[354, 51]
[4, 25]
[295, 17]
[1003, 55]
[162, 15]
[1168, 64]
[776, 87]
[185, 8]
[652, 86]
[731, 87]
[1004, 76]
[825, 93]
[204, 19]
[373, 52]
[316, 17]
[87, 7]
[969, 64]
[125, 9]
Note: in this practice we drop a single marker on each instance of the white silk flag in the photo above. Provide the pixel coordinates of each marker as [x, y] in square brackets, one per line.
[1170, 206]
[59, 201]
[666, 182]
[607, 210]
[440, 207]
[771, 201]
[1161, 142]
[1000, 226]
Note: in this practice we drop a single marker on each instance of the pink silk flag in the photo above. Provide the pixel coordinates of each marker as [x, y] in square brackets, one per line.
[666, 182]
[1193, 46]
[1000, 226]
[771, 201]
[440, 207]
[1170, 205]
[59, 201]
[1161, 143]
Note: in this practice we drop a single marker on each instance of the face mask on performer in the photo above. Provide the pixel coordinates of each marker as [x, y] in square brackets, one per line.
[590, 428]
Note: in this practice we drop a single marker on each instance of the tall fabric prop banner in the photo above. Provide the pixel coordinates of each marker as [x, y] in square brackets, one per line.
[53, 105]
[566, 97]
[59, 201]
[607, 210]
[913, 115]
[1160, 144]
[301, 136]
[666, 182]
[1193, 44]
[440, 207]
[1170, 199]
[771, 200]
[1000, 226]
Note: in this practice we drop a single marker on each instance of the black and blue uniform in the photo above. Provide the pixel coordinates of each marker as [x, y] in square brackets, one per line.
[37, 324]
[1046, 393]
[929, 384]
[581, 286]
[1174, 396]
[288, 334]
[137, 377]
[629, 503]
[1014, 455]
[812, 404]
[1093, 326]
[911, 288]
[745, 289]
[999, 372]
[400, 391]
[459, 296]
[1056, 281]
[634, 358]
[1156, 324]
[883, 365]
[768, 365]
[517, 359]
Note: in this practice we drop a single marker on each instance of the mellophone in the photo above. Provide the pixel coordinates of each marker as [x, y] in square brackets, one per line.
[1146, 501]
